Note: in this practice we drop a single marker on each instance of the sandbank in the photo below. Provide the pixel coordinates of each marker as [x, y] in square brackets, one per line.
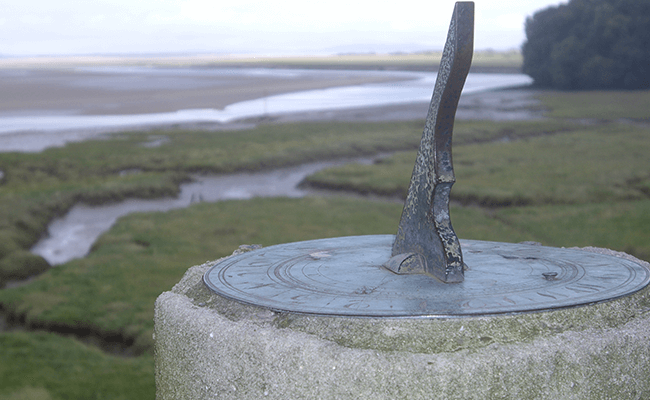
[90, 92]
[59, 90]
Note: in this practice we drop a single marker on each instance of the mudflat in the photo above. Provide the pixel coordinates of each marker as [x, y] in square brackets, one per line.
[32, 89]
[92, 92]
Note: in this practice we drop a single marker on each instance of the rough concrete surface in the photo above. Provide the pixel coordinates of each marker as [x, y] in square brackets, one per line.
[210, 347]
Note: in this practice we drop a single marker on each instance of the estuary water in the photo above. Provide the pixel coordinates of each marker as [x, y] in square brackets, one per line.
[408, 87]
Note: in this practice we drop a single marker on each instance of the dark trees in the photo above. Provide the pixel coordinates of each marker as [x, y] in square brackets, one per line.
[590, 44]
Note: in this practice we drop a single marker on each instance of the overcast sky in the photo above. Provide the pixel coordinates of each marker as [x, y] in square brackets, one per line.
[271, 27]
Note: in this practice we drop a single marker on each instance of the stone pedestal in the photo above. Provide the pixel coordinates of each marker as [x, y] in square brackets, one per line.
[210, 347]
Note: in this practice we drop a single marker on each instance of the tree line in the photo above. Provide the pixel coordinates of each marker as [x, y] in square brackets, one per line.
[589, 44]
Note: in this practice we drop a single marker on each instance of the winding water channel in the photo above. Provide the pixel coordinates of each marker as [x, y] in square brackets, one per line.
[73, 235]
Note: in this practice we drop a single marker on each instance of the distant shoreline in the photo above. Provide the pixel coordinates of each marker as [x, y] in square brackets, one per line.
[483, 61]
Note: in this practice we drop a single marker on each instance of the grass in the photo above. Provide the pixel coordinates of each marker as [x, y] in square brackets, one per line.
[581, 165]
[601, 105]
[201, 151]
[45, 366]
[565, 184]
[621, 225]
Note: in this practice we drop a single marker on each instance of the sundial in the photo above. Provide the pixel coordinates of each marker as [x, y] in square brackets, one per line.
[425, 270]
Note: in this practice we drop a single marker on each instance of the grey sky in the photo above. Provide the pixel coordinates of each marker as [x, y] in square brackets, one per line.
[46, 27]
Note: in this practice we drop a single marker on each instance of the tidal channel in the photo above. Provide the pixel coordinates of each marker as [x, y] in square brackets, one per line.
[73, 235]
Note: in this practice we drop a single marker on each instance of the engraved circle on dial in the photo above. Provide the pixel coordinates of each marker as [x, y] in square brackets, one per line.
[344, 276]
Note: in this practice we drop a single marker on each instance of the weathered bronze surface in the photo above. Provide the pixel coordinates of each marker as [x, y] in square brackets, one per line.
[343, 276]
[426, 241]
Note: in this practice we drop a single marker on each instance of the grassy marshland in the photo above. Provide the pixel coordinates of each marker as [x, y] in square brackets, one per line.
[558, 182]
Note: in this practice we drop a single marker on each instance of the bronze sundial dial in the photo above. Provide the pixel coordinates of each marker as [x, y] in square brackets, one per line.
[422, 271]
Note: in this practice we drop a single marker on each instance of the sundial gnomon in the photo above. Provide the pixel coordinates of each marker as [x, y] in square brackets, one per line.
[422, 271]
